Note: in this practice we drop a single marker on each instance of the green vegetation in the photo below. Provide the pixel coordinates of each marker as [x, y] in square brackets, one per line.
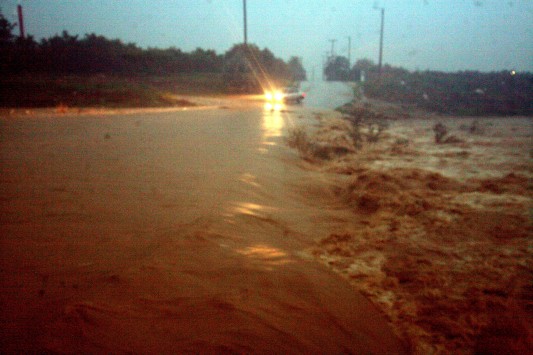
[96, 71]
[461, 93]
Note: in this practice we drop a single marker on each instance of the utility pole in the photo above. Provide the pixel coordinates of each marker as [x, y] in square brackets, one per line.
[21, 21]
[349, 51]
[332, 46]
[325, 60]
[245, 23]
[381, 40]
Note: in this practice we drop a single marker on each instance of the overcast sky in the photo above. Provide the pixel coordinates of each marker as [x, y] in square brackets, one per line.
[448, 35]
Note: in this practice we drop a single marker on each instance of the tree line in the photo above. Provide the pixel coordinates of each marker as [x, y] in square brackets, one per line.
[95, 54]
[463, 93]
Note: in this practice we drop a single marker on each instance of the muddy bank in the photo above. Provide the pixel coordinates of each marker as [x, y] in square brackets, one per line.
[439, 234]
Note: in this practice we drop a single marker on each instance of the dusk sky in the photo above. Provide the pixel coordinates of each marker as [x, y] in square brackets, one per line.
[448, 35]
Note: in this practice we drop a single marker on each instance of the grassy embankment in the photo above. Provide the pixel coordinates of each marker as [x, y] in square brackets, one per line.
[33, 91]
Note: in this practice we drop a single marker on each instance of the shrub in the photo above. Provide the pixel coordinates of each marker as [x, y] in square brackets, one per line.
[374, 131]
[367, 124]
[317, 148]
[440, 132]
[297, 138]
[441, 137]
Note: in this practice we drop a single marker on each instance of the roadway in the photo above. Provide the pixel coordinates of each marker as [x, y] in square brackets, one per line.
[171, 232]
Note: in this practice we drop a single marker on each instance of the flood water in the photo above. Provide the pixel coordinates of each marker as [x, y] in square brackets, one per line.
[326, 94]
[169, 232]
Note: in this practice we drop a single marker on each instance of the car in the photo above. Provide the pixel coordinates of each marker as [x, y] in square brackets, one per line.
[285, 95]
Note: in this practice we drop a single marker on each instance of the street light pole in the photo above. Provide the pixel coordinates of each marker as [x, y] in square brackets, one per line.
[381, 40]
[245, 22]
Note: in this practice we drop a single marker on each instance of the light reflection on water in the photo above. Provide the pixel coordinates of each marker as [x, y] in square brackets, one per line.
[269, 256]
[273, 106]
[252, 209]
[241, 208]
[249, 179]
[273, 122]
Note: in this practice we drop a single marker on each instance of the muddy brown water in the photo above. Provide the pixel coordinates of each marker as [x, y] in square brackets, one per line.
[169, 232]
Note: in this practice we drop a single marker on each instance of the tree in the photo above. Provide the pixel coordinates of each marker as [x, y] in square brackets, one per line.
[6, 44]
[16, 53]
[206, 60]
[365, 64]
[362, 66]
[6, 27]
[337, 69]
[249, 69]
[94, 54]
[296, 69]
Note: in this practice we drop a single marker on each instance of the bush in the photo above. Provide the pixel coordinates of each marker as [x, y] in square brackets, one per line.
[322, 149]
[441, 135]
[297, 139]
[476, 128]
[440, 132]
[374, 131]
[367, 124]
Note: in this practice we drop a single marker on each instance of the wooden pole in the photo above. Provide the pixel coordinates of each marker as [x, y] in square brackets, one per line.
[21, 21]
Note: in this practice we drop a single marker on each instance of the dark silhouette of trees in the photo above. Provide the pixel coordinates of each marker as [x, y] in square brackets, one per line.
[5, 31]
[249, 69]
[245, 67]
[237, 70]
[460, 93]
[296, 69]
[94, 54]
[337, 69]
[363, 68]
[365, 64]
[6, 43]
[205, 60]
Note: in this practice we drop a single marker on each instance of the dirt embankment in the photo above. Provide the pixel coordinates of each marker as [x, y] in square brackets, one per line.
[439, 238]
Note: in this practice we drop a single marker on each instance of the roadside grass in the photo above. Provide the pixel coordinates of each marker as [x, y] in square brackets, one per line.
[104, 90]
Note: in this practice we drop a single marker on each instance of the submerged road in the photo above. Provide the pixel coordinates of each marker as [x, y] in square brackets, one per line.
[169, 233]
